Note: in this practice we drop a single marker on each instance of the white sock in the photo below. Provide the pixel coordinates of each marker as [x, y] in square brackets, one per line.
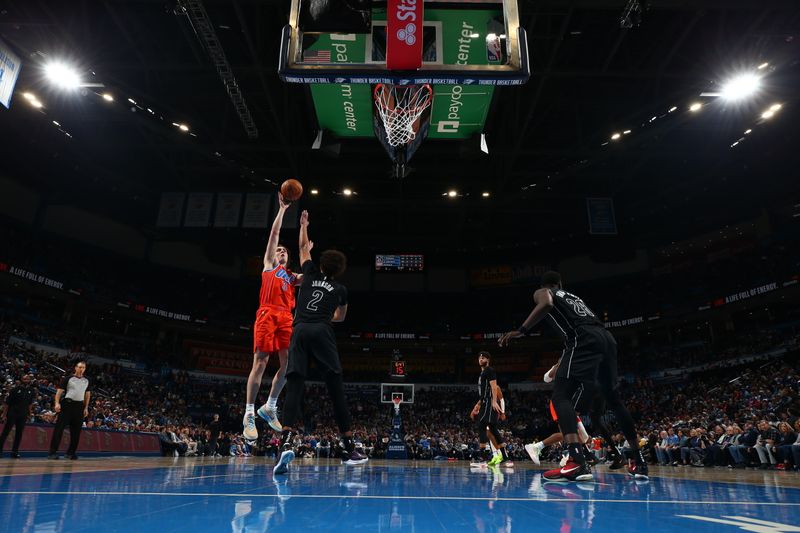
[249, 409]
[272, 403]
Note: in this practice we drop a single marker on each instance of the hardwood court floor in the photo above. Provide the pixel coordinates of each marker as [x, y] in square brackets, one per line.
[240, 495]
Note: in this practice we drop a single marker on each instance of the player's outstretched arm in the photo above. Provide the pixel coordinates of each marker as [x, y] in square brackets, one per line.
[275, 234]
[305, 244]
[544, 303]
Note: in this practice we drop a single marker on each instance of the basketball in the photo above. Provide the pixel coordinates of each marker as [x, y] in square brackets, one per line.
[291, 190]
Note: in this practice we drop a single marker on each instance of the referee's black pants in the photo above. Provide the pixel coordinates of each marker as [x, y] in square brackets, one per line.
[18, 421]
[71, 415]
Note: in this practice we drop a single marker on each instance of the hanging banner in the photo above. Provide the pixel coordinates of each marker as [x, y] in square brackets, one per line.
[256, 211]
[170, 210]
[198, 210]
[228, 207]
[601, 216]
[404, 34]
[10, 65]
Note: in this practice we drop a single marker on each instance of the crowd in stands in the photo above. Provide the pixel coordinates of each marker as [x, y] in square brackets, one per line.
[737, 417]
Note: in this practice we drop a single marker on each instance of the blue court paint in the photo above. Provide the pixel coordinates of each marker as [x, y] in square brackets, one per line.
[243, 497]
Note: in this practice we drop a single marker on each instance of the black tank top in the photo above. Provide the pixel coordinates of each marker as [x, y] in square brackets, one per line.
[569, 313]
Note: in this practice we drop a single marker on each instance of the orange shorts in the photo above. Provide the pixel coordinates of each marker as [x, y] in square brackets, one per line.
[272, 330]
[555, 416]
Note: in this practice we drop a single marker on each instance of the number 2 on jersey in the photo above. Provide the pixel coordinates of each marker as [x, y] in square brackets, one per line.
[316, 297]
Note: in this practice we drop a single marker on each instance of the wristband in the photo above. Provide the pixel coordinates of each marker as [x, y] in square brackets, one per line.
[523, 330]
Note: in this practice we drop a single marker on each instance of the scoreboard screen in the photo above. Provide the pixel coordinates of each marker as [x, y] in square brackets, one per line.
[399, 263]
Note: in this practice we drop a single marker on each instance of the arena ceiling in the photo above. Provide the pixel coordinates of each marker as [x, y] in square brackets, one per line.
[549, 140]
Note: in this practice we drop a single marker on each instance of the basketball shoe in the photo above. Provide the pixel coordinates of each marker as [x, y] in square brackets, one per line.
[354, 458]
[249, 431]
[282, 466]
[534, 450]
[270, 416]
[569, 472]
[638, 470]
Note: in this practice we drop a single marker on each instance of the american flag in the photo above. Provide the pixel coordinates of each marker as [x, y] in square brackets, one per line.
[317, 56]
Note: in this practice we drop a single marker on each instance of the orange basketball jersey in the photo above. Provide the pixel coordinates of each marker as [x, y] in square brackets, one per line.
[277, 288]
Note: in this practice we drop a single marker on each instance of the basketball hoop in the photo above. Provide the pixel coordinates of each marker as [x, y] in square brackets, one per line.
[399, 107]
[397, 399]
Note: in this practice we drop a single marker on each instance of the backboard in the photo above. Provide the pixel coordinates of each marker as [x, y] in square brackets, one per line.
[343, 49]
[469, 42]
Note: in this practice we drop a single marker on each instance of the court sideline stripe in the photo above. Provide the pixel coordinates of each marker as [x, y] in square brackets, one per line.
[378, 497]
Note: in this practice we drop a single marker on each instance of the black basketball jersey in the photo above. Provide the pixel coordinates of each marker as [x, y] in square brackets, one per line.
[569, 313]
[318, 298]
[484, 388]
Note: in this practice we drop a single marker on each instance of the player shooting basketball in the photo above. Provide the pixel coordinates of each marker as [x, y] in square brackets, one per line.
[273, 327]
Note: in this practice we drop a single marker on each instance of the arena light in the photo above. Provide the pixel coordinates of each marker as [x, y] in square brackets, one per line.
[626, 132]
[452, 193]
[347, 192]
[35, 103]
[673, 108]
[131, 100]
[763, 65]
[695, 107]
[183, 127]
[747, 131]
[768, 114]
[29, 96]
[56, 124]
[775, 107]
[485, 194]
[62, 75]
[741, 87]
[108, 97]
[314, 191]
[615, 136]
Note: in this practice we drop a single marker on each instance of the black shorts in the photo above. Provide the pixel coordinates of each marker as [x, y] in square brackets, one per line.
[487, 415]
[313, 341]
[590, 358]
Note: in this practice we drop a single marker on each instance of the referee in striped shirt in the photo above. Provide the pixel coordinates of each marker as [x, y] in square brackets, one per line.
[72, 406]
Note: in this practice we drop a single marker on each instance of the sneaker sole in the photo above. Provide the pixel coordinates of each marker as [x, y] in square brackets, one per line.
[271, 422]
[283, 463]
[351, 462]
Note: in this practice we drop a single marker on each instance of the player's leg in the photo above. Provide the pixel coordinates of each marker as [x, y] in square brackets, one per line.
[326, 353]
[260, 360]
[576, 468]
[269, 411]
[497, 441]
[535, 449]
[607, 380]
[483, 440]
[297, 367]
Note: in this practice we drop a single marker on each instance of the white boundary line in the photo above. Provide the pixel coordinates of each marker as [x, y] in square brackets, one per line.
[377, 497]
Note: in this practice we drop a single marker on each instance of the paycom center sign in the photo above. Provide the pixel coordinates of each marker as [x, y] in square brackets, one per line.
[457, 112]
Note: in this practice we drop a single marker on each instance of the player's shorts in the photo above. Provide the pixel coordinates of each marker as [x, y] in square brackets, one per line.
[553, 409]
[583, 356]
[487, 415]
[317, 342]
[272, 330]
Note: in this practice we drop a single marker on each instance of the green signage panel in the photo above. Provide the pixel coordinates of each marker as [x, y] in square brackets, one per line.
[457, 112]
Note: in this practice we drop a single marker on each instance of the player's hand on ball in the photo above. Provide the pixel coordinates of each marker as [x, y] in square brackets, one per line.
[282, 202]
[504, 340]
[304, 218]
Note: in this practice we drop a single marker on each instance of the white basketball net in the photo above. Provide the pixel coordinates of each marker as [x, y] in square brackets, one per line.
[397, 402]
[399, 107]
